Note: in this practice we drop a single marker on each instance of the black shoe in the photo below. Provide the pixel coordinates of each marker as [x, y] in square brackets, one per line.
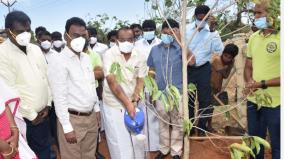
[176, 157]
[99, 155]
[160, 156]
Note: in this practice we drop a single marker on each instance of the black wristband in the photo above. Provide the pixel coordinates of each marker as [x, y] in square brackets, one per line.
[263, 84]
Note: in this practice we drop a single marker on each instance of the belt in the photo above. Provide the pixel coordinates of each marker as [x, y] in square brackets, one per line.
[74, 112]
[200, 65]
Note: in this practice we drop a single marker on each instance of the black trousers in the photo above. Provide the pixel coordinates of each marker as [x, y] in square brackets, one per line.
[38, 138]
[200, 76]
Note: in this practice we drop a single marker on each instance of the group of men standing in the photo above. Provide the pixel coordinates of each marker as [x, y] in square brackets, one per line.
[70, 79]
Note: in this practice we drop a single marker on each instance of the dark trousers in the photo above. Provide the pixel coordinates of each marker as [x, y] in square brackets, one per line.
[38, 138]
[261, 120]
[201, 76]
[53, 125]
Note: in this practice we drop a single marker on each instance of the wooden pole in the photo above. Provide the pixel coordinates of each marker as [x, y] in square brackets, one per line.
[186, 143]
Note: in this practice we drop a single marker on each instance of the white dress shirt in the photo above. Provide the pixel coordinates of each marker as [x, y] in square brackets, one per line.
[144, 47]
[27, 75]
[73, 85]
[136, 62]
[50, 55]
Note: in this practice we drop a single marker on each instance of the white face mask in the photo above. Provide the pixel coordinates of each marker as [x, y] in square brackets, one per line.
[197, 22]
[22, 39]
[45, 44]
[93, 40]
[78, 44]
[125, 47]
[57, 43]
[111, 44]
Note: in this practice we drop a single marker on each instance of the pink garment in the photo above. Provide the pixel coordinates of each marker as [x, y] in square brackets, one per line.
[5, 130]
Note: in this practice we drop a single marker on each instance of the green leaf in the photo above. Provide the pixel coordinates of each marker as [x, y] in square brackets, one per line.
[191, 87]
[156, 95]
[187, 126]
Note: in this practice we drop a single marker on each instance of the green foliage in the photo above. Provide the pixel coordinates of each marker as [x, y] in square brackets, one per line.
[170, 97]
[187, 126]
[116, 70]
[101, 21]
[262, 98]
[245, 149]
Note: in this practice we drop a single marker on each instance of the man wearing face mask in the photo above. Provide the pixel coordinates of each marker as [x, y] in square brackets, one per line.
[23, 67]
[149, 39]
[262, 76]
[98, 47]
[57, 42]
[111, 37]
[44, 40]
[137, 29]
[73, 87]
[144, 46]
[121, 96]
[203, 44]
[165, 60]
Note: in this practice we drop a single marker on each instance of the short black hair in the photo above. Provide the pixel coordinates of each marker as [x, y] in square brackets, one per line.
[111, 33]
[201, 9]
[92, 31]
[132, 26]
[149, 24]
[125, 28]
[231, 49]
[39, 29]
[56, 36]
[42, 33]
[16, 16]
[74, 21]
[172, 23]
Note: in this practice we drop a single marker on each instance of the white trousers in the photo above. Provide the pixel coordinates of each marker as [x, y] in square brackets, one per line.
[121, 143]
[151, 128]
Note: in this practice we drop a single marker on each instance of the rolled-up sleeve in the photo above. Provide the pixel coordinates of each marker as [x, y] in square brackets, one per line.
[57, 75]
[217, 44]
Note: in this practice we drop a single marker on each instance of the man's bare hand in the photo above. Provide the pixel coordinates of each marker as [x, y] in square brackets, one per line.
[71, 137]
[191, 60]
[98, 116]
[131, 110]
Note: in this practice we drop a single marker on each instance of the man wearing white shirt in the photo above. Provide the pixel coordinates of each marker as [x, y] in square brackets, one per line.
[98, 47]
[144, 46]
[121, 96]
[74, 91]
[44, 41]
[149, 39]
[24, 69]
[57, 42]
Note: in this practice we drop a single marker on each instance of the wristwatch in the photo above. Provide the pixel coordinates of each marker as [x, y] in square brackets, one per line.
[263, 84]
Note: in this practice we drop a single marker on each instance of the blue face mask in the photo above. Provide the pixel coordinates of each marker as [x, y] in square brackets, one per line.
[261, 23]
[197, 22]
[149, 35]
[167, 39]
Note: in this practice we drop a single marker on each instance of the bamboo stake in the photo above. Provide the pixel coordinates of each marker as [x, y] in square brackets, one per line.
[186, 148]
[234, 117]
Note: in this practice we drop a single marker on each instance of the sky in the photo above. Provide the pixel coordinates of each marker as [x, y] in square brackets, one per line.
[53, 13]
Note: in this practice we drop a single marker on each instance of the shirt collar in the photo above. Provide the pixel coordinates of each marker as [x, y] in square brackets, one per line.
[173, 44]
[70, 53]
[15, 48]
[155, 40]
